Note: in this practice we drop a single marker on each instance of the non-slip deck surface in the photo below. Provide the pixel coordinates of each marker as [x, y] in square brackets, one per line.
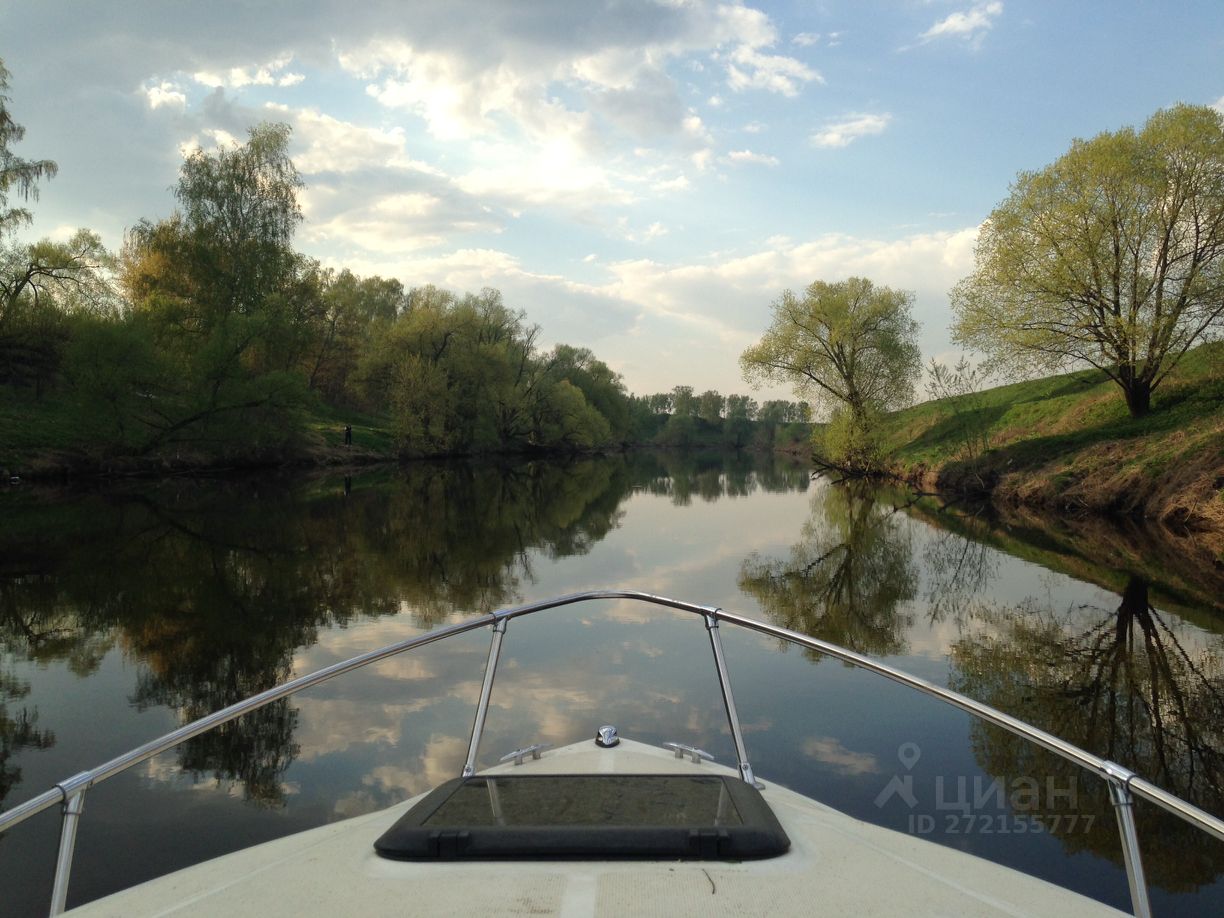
[837, 865]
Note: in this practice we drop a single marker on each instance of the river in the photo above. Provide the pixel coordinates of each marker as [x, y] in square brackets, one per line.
[129, 610]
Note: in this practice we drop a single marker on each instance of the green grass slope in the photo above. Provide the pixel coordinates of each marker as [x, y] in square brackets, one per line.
[1068, 442]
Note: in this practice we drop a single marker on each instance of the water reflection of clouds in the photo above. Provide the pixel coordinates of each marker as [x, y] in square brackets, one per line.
[830, 752]
[328, 726]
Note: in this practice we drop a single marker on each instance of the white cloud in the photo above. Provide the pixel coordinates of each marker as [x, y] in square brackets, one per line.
[1218, 105]
[753, 127]
[654, 231]
[676, 183]
[166, 95]
[213, 138]
[850, 128]
[970, 25]
[748, 156]
[270, 74]
[332, 145]
[749, 68]
[813, 39]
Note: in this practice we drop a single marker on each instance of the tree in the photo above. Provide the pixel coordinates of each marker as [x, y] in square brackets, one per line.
[15, 172]
[738, 427]
[849, 346]
[230, 302]
[1113, 255]
[600, 385]
[710, 406]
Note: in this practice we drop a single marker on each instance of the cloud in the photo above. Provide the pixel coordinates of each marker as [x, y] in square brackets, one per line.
[970, 25]
[166, 95]
[749, 68]
[326, 144]
[270, 74]
[850, 128]
[654, 231]
[748, 156]
[1218, 105]
[813, 39]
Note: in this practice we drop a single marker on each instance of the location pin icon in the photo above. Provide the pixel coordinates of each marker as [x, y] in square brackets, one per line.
[909, 754]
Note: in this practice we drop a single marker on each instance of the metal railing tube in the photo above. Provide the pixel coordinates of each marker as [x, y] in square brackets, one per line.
[985, 712]
[486, 691]
[571, 598]
[74, 804]
[87, 779]
[1118, 779]
[724, 683]
[1141, 787]
[31, 807]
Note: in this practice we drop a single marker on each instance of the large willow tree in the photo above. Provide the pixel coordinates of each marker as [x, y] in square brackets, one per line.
[1113, 255]
[850, 348]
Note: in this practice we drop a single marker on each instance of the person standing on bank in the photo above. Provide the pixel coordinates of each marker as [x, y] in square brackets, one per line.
[348, 434]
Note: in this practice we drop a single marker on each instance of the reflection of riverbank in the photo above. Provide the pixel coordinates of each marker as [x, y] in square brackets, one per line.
[1184, 571]
[1089, 652]
[213, 586]
[1130, 684]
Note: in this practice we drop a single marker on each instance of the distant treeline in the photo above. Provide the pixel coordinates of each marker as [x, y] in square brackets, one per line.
[208, 334]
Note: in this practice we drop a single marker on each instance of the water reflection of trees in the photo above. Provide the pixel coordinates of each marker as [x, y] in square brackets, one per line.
[958, 570]
[214, 586]
[1127, 684]
[681, 475]
[847, 577]
[18, 729]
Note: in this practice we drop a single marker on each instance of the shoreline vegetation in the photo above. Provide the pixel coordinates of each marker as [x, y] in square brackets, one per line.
[1067, 443]
[1062, 443]
[209, 344]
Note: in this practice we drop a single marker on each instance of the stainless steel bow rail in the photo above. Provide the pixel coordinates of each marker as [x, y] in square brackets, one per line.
[1124, 785]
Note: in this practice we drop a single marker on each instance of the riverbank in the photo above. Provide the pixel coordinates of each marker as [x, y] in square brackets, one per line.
[1067, 443]
[42, 440]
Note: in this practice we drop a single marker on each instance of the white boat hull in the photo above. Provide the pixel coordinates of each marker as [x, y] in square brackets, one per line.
[837, 865]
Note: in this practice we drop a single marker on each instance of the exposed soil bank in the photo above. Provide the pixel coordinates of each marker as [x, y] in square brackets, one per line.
[1186, 495]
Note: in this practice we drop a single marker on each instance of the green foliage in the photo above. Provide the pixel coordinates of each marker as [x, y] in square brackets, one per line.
[600, 386]
[852, 442]
[230, 306]
[1113, 255]
[959, 390]
[850, 347]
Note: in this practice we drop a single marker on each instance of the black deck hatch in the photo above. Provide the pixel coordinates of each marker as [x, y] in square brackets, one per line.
[590, 817]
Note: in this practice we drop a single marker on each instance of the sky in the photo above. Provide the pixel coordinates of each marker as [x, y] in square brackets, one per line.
[640, 177]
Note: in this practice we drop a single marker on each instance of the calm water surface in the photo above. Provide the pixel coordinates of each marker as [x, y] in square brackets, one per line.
[128, 612]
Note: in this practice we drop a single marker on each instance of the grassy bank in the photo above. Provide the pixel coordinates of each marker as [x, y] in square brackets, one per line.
[1067, 442]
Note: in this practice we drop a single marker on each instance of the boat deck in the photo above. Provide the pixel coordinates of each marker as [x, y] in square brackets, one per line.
[837, 865]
